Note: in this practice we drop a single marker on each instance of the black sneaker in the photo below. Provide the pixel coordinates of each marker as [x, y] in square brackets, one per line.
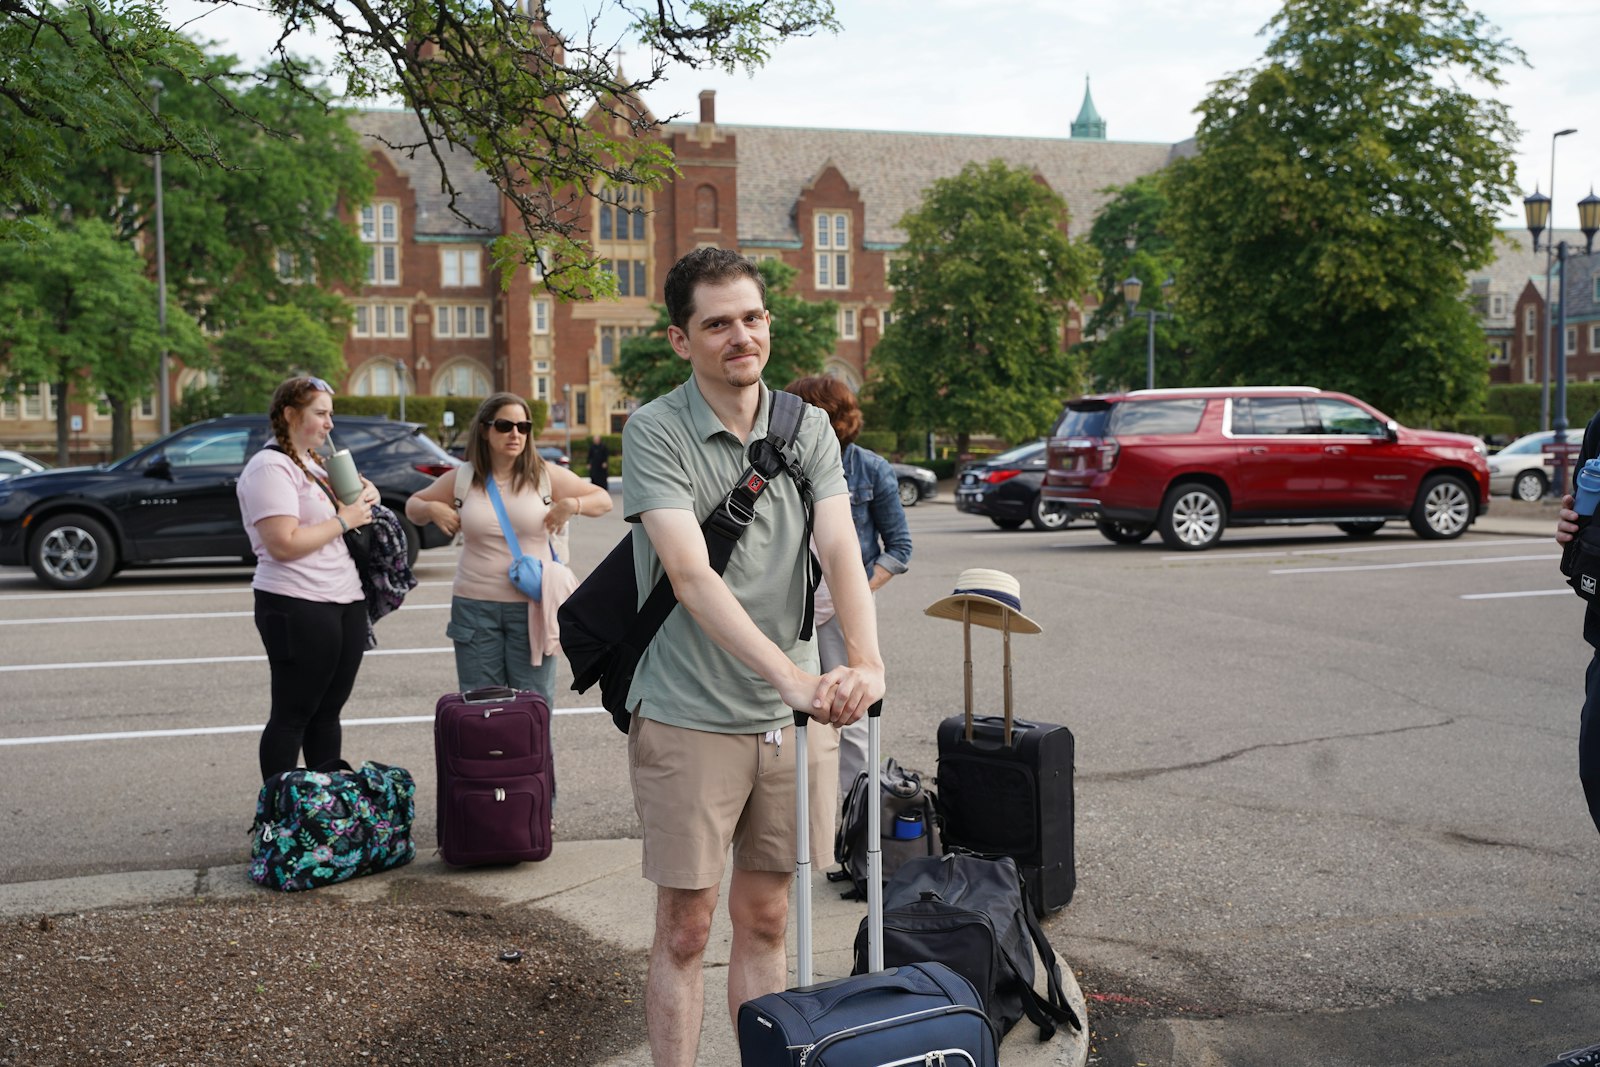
[1578, 1057]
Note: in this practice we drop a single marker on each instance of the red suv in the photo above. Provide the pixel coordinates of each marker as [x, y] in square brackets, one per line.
[1191, 462]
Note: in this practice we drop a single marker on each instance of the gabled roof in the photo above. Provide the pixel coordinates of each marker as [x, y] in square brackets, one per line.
[1515, 264]
[891, 170]
[477, 198]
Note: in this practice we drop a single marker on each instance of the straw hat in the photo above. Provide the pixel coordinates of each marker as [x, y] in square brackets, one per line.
[990, 596]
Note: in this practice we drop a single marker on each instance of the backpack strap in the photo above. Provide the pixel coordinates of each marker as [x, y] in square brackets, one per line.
[463, 484]
[1045, 1012]
[728, 520]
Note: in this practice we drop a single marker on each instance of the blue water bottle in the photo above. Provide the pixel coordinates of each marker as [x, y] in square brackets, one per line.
[1588, 482]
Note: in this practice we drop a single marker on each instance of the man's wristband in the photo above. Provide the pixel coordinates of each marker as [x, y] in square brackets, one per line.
[344, 527]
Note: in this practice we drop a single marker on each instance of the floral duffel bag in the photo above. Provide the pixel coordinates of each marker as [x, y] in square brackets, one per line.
[318, 827]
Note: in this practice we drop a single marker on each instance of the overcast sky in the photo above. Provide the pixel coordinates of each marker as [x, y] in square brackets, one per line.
[1017, 67]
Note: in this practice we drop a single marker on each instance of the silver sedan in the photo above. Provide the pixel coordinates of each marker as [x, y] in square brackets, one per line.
[1522, 470]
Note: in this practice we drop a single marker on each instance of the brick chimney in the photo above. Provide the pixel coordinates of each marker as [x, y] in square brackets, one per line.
[708, 106]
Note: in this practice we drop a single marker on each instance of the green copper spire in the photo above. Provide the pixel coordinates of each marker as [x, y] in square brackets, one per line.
[1088, 126]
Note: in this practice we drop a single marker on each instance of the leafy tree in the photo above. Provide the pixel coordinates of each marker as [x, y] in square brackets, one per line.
[1343, 190]
[1130, 240]
[803, 336]
[495, 85]
[78, 312]
[980, 301]
[271, 343]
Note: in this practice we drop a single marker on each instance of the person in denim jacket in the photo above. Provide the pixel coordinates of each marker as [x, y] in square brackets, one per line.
[880, 527]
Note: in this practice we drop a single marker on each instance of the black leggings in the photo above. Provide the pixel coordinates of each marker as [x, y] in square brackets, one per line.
[314, 649]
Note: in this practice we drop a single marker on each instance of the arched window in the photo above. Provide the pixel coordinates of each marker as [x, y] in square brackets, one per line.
[705, 208]
[845, 372]
[376, 378]
[461, 378]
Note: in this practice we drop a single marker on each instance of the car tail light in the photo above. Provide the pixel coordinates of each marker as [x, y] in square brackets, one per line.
[433, 470]
[1108, 453]
[996, 477]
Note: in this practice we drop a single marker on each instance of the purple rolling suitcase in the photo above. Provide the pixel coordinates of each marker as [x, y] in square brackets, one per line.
[921, 1013]
[496, 776]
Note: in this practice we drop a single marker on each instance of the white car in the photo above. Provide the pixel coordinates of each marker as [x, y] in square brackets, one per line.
[15, 463]
[1522, 470]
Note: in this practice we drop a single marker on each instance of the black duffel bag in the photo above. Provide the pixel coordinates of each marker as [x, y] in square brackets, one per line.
[970, 913]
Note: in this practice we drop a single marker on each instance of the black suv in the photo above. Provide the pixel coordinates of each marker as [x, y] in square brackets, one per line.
[175, 498]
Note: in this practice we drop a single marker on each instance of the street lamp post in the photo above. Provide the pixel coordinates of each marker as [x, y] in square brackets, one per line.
[1132, 287]
[566, 403]
[164, 396]
[1537, 210]
[1529, 206]
[400, 369]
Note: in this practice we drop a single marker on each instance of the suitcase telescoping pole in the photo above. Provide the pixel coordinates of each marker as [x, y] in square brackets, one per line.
[802, 892]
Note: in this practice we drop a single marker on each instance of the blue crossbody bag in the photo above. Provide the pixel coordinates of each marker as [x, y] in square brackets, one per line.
[527, 572]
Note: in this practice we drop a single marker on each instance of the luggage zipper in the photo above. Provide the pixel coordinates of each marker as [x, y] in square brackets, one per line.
[816, 1047]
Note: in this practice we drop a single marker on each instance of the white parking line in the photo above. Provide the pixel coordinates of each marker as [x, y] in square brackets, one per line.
[1508, 596]
[175, 591]
[178, 615]
[1421, 563]
[15, 668]
[198, 731]
[1192, 557]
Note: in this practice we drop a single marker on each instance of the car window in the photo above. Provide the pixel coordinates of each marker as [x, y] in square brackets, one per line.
[12, 466]
[1086, 419]
[355, 438]
[1340, 416]
[1158, 416]
[1019, 455]
[209, 446]
[1270, 415]
[1526, 445]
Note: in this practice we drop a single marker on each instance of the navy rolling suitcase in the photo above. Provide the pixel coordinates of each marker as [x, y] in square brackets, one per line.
[916, 1014]
[496, 774]
[1005, 789]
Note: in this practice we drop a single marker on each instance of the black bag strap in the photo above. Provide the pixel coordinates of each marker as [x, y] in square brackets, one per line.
[1045, 1012]
[727, 522]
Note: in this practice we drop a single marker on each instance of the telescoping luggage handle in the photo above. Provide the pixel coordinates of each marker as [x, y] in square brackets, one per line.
[966, 666]
[802, 873]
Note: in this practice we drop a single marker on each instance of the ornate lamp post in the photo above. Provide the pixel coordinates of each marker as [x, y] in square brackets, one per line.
[1532, 206]
[164, 395]
[1537, 210]
[1132, 287]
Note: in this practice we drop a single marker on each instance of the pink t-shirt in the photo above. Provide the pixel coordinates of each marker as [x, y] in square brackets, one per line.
[271, 484]
[482, 571]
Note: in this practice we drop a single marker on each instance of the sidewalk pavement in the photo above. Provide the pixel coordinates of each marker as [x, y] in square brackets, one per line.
[594, 884]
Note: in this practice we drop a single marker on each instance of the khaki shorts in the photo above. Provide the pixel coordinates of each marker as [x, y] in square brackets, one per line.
[698, 792]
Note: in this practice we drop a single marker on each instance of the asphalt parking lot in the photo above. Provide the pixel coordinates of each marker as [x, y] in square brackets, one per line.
[1327, 802]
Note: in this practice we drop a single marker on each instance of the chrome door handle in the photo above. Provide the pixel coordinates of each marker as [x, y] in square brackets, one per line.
[1258, 450]
[1335, 450]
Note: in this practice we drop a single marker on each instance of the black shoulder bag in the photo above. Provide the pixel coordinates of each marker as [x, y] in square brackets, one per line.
[604, 643]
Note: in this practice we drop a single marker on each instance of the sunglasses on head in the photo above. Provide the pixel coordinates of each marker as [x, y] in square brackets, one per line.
[318, 383]
[506, 426]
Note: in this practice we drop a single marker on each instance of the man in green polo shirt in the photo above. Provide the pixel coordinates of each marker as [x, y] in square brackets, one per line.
[710, 750]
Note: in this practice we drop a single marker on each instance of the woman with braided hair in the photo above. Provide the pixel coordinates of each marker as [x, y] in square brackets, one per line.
[310, 610]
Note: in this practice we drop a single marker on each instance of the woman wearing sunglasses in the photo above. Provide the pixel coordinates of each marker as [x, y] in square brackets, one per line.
[310, 610]
[491, 622]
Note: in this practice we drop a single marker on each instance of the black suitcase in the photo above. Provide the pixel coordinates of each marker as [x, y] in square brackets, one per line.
[1005, 789]
[920, 1013]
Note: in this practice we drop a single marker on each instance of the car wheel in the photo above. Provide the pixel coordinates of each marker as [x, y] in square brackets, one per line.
[1361, 529]
[1123, 533]
[1443, 509]
[1192, 517]
[1048, 515]
[909, 493]
[1530, 485]
[72, 552]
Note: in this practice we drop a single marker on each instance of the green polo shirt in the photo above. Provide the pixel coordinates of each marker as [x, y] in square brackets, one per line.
[677, 454]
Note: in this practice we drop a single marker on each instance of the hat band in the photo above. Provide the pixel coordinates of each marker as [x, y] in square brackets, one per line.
[1012, 602]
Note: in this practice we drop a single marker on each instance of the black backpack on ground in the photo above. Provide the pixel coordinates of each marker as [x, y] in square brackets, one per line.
[971, 914]
[602, 636]
[909, 826]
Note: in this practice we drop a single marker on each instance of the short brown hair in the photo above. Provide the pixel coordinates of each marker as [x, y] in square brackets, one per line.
[706, 266]
[835, 399]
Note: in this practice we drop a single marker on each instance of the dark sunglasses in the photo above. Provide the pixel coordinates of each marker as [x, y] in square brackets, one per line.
[506, 426]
